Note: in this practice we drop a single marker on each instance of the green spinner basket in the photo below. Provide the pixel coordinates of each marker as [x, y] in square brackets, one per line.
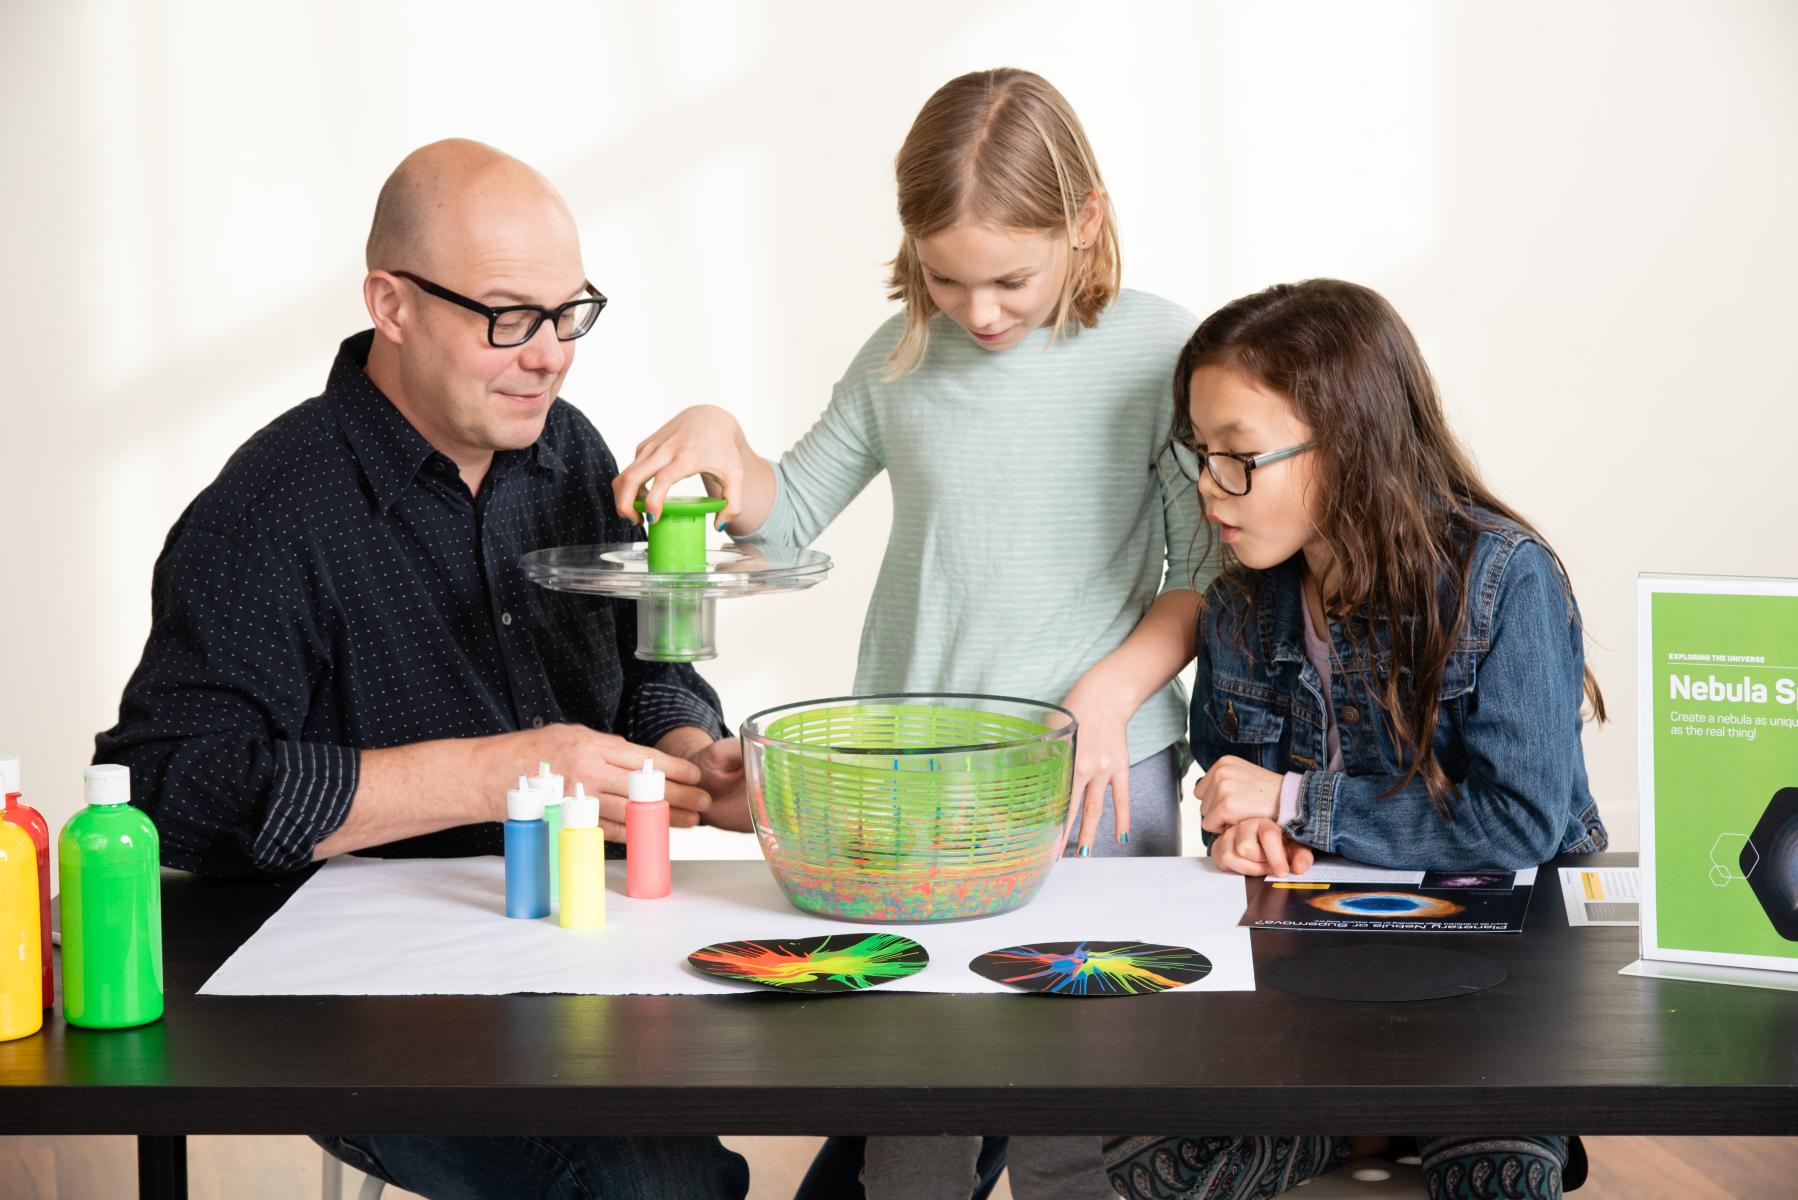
[910, 807]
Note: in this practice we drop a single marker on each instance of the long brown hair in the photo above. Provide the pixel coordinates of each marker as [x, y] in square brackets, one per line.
[1005, 149]
[1400, 500]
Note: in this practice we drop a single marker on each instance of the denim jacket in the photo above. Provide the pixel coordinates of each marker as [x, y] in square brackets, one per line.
[1507, 731]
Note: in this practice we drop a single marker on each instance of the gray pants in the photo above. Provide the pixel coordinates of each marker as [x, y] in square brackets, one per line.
[1154, 811]
[1041, 1168]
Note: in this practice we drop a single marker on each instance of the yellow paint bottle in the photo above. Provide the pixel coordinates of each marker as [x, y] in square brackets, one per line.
[582, 851]
[21, 950]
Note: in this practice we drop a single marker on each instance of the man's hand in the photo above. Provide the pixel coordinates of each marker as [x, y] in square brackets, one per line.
[1233, 791]
[1258, 846]
[601, 763]
[406, 791]
[721, 773]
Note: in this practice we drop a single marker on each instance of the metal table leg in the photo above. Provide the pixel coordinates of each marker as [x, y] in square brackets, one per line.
[162, 1167]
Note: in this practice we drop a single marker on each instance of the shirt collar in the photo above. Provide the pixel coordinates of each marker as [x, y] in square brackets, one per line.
[390, 450]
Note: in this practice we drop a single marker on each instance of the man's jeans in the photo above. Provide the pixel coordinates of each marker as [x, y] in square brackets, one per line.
[554, 1168]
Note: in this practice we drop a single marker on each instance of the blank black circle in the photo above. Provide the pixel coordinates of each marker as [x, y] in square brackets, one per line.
[1382, 972]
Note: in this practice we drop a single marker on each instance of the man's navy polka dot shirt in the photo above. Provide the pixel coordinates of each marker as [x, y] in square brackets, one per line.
[337, 589]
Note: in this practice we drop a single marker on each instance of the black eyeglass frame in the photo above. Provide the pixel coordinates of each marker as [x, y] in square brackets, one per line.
[1249, 462]
[494, 314]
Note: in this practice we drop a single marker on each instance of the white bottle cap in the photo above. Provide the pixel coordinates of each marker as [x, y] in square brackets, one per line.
[547, 782]
[524, 802]
[9, 773]
[648, 785]
[580, 811]
[107, 783]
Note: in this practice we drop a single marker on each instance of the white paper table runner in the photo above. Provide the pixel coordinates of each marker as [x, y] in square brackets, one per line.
[437, 926]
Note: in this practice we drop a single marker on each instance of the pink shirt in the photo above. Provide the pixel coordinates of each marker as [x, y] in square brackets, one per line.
[1318, 652]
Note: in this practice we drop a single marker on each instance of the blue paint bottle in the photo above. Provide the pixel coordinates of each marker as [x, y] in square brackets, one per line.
[527, 853]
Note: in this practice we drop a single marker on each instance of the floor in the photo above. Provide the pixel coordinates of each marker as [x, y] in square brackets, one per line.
[288, 1168]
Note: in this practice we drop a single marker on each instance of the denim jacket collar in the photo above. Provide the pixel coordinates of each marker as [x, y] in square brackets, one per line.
[1280, 614]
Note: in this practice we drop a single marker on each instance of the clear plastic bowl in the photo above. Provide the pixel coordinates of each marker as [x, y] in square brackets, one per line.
[910, 807]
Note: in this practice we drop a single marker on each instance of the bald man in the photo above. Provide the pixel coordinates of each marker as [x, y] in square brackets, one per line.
[345, 655]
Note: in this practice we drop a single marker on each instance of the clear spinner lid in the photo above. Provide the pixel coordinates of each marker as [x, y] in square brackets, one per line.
[622, 569]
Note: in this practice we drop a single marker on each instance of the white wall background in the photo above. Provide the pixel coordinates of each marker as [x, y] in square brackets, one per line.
[1585, 210]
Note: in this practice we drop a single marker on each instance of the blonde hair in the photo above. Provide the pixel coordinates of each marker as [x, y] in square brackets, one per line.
[1005, 149]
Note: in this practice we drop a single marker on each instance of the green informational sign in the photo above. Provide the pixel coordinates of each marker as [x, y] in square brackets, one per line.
[1719, 747]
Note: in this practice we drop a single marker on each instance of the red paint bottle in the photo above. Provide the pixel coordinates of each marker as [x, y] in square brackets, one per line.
[32, 822]
[648, 874]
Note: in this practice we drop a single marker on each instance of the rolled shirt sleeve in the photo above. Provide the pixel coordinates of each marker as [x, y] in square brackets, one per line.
[212, 722]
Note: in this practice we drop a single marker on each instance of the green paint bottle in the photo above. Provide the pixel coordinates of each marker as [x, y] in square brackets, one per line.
[111, 908]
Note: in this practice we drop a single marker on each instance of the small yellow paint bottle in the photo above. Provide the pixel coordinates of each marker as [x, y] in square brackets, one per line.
[582, 851]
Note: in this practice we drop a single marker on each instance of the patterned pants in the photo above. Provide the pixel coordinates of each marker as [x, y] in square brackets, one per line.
[1249, 1168]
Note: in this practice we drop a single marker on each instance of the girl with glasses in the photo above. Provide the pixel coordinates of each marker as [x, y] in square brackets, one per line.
[1390, 663]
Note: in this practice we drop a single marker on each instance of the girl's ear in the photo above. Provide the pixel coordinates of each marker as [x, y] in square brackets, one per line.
[1092, 216]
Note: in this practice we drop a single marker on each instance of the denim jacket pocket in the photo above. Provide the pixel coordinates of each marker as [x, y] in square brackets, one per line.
[1249, 728]
[1457, 673]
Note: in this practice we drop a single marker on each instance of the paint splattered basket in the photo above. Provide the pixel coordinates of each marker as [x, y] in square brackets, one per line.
[910, 807]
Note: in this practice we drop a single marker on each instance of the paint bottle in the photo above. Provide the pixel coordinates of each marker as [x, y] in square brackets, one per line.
[21, 950]
[550, 784]
[111, 908]
[583, 851]
[32, 822]
[647, 870]
[527, 853]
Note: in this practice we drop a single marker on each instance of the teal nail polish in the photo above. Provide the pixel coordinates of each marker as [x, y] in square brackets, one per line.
[1124, 838]
[723, 525]
[1086, 851]
[649, 518]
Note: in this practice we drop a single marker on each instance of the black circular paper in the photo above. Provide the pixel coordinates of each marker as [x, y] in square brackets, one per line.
[838, 962]
[1382, 972]
[1093, 968]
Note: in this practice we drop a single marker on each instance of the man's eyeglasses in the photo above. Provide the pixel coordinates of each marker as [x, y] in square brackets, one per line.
[516, 324]
[1233, 473]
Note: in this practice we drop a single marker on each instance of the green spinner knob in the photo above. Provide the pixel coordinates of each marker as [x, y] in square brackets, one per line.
[677, 538]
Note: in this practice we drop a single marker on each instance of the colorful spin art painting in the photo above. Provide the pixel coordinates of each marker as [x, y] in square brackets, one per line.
[839, 962]
[1093, 968]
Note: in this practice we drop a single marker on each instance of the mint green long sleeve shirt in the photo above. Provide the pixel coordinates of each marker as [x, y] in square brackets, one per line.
[1031, 530]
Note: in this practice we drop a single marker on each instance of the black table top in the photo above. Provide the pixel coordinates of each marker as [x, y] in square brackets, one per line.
[1564, 1044]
